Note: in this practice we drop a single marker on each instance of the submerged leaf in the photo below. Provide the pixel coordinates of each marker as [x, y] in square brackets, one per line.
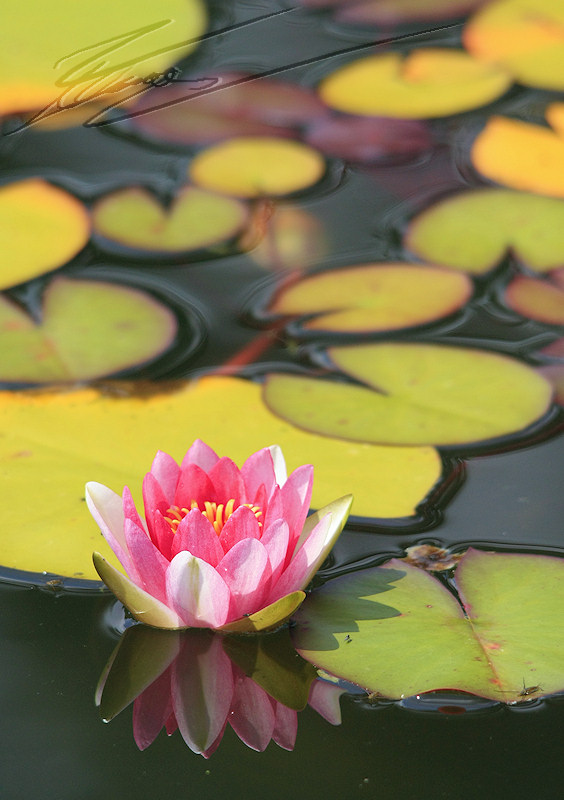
[397, 631]
[525, 36]
[59, 223]
[374, 297]
[133, 220]
[254, 166]
[88, 329]
[414, 394]
[430, 82]
[473, 230]
[111, 439]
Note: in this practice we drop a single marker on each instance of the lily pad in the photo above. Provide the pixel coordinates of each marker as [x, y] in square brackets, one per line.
[502, 639]
[133, 221]
[113, 439]
[536, 299]
[255, 166]
[525, 36]
[430, 82]
[59, 222]
[284, 237]
[52, 59]
[521, 155]
[221, 106]
[88, 329]
[474, 230]
[555, 374]
[374, 297]
[414, 394]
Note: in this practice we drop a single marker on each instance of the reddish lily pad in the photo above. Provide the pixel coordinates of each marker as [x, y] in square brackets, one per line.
[397, 631]
[555, 374]
[430, 82]
[218, 107]
[257, 167]
[374, 297]
[133, 221]
[554, 349]
[59, 222]
[521, 155]
[284, 238]
[414, 394]
[88, 329]
[525, 36]
[536, 299]
[52, 58]
[370, 140]
[473, 230]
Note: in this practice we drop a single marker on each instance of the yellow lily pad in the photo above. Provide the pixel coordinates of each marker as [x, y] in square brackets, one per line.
[257, 166]
[54, 58]
[374, 297]
[55, 442]
[414, 394]
[133, 221]
[60, 226]
[430, 82]
[524, 36]
[88, 329]
[474, 230]
[521, 155]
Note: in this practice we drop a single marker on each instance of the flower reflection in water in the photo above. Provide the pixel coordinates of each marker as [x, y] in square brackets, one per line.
[199, 682]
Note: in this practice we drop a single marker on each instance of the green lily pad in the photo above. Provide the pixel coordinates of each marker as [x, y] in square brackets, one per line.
[397, 631]
[60, 226]
[374, 297]
[133, 221]
[85, 424]
[414, 394]
[525, 36]
[88, 329]
[430, 82]
[473, 230]
[536, 299]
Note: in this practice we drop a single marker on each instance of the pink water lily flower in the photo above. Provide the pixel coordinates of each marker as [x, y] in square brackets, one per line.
[219, 547]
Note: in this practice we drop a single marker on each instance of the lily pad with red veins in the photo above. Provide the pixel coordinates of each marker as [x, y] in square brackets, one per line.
[132, 222]
[374, 297]
[398, 631]
[474, 230]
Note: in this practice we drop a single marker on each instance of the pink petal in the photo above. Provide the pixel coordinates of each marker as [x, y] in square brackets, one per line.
[246, 571]
[305, 563]
[252, 714]
[195, 533]
[275, 539]
[197, 593]
[258, 470]
[162, 535]
[151, 710]
[228, 481]
[107, 509]
[166, 471]
[202, 691]
[201, 455]
[296, 497]
[242, 524]
[150, 565]
[154, 499]
[324, 698]
[285, 727]
[273, 509]
[129, 509]
[193, 484]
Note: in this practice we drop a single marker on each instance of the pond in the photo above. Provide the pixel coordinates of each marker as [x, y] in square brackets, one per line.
[334, 225]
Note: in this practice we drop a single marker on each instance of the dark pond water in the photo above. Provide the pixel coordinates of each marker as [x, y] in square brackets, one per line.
[54, 646]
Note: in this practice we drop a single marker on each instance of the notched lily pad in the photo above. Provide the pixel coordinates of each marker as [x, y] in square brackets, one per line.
[397, 631]
[374, 297]
[60, 226]
[431, 82]
[537, 299]
[473, 230]
[132, 222]
[414, 394]
[525, 36]
[255, 166]
[521, 155]
[88, 329]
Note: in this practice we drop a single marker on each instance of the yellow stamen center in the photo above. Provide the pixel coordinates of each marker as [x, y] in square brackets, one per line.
[217, 514]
